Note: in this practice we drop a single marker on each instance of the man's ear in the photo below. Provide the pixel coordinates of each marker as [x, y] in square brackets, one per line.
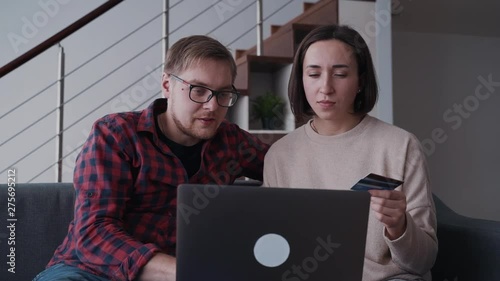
[165, 85]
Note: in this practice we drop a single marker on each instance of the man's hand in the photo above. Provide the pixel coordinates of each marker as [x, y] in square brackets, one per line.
[390, 209]
[160, 268]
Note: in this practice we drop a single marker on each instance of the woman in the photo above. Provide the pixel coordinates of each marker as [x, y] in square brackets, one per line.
[333, 80]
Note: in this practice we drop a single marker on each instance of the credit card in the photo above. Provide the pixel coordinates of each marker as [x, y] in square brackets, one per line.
[378, 182]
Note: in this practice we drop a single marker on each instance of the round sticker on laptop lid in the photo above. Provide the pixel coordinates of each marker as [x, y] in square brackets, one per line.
[271, 250]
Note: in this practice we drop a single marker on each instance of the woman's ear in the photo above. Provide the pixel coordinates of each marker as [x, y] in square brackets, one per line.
[165, 85]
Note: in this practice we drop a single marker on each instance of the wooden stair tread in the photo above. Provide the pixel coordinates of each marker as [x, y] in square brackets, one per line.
[267, 63]
[292, 34]
[239, 53]
[253, 59]
[275, 28]
[307, 5]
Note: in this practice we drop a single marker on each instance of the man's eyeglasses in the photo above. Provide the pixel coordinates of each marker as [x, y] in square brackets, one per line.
[202, 94]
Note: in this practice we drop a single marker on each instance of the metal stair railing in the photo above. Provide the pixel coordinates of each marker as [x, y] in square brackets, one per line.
[58, 37]
[108, 74]
[111, 72]
[86, 115]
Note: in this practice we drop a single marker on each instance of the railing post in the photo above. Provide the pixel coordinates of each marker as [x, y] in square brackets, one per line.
[60, 114]
[165, 29]
[259, 28]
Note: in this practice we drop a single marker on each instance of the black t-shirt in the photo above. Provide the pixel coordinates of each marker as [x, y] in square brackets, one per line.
[190, 156]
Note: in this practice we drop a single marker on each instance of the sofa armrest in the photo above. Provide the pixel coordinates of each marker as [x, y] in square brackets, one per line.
[469, 249]
[43, 213]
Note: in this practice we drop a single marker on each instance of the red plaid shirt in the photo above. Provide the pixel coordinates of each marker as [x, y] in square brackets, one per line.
[126, 186]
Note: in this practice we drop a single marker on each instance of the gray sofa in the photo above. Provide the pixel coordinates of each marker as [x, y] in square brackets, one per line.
[43, 213]
[469, 249]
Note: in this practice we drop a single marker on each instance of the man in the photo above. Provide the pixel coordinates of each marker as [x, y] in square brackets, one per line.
[128, 171]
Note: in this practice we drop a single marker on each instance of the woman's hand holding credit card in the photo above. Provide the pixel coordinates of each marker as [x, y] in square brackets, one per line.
[389, 205]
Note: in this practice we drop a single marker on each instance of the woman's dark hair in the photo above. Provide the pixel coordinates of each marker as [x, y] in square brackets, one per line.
[365, 100]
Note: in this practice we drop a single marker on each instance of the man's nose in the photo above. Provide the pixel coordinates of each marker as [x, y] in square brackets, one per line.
[212, 104]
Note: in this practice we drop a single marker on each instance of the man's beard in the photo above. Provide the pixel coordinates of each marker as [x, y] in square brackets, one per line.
[192, 132]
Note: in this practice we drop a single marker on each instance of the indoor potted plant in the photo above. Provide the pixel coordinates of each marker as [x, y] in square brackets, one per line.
[269, 109]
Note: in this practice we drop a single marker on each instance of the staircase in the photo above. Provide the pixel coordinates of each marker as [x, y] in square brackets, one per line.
[271, 70]
[285, 39]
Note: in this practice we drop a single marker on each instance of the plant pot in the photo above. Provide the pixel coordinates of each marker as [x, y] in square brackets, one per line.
[267, 123]
[271, 123]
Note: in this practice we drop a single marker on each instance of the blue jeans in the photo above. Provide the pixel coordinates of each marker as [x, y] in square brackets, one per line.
[62, 272]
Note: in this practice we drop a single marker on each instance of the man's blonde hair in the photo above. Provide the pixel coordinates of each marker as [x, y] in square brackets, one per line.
[193, 49]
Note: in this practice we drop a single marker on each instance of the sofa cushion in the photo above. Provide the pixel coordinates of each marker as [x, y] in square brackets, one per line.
[469, 248]
[43, 213]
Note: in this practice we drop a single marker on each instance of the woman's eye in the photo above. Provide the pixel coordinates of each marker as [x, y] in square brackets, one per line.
[340, 74]
[313, 74]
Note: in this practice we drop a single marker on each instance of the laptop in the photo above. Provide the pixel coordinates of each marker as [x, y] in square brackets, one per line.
[248, 233]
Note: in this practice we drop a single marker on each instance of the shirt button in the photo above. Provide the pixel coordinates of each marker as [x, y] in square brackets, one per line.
[90, 194]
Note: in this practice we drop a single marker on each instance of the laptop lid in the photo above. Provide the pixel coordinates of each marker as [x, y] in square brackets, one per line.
[244, 233]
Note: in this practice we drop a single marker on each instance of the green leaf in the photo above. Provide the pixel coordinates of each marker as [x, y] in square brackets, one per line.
[267, 106]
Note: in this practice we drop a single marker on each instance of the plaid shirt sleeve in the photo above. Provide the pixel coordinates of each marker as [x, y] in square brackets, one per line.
[252, 152]
[103, 181]
[234, 153]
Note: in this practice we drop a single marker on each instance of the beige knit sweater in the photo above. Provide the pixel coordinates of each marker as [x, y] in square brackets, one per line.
[305, 159]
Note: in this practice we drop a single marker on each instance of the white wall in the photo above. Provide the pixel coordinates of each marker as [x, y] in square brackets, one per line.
[373, 21]
[440, 95]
